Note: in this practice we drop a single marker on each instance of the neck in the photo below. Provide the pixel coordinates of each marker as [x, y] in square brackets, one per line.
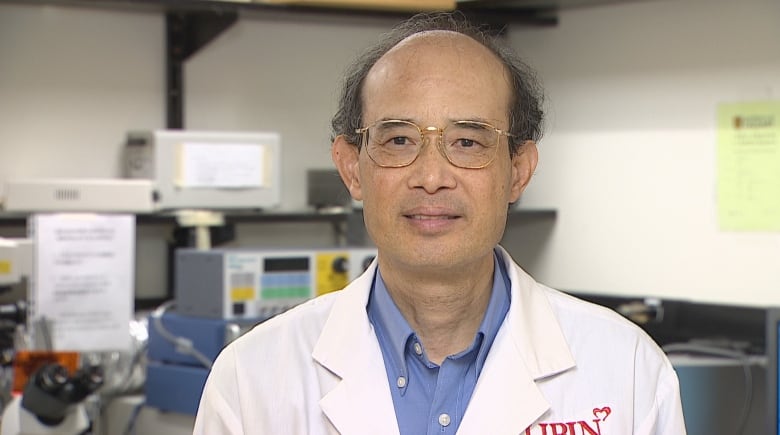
[444, 310]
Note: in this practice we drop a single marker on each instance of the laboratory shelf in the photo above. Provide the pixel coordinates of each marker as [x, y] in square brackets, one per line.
[486, 11]
[17, 218]
[302, 216]
[192, 24]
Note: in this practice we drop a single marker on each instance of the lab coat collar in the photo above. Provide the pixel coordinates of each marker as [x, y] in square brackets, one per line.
[529, 346]
[534, 326]
[348, 348]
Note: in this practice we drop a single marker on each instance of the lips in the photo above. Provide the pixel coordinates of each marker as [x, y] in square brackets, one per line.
[431, 214]
[430, 217]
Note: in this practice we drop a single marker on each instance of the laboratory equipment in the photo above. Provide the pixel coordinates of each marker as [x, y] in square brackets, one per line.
[325, 190]
[79, 195]
[15, 260]
[181, 350]
[222, 293]
[246, 283]
[773, 371]
[207, 169]
[52, 402]
[719, 354]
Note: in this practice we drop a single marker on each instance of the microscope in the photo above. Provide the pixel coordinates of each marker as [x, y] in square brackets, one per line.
[52, 402]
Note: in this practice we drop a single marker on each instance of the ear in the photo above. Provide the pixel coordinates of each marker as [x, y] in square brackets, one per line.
[523, 166]
[346, 157]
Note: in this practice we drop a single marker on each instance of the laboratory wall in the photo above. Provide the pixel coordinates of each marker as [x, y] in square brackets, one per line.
[630, 158]
[628, 161]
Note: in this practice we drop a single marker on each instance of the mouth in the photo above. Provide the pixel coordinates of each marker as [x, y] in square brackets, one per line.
[431, 214]
[431, 220]
[427, 217]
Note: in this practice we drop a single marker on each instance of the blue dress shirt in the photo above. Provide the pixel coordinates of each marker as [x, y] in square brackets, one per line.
[430, 398]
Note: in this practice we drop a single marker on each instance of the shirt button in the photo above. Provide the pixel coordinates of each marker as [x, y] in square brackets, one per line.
[401, 382]
[417, 349]
[444, 420]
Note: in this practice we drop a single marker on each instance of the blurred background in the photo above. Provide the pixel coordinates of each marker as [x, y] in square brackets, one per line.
[630, 205]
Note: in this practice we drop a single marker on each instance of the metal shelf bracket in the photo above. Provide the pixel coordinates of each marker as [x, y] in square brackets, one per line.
[187, 32]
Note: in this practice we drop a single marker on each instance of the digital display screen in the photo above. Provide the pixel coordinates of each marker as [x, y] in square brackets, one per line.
[286, 264]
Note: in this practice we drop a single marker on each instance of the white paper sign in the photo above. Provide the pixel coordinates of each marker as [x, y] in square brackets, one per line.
[221, 165]
[83, 280]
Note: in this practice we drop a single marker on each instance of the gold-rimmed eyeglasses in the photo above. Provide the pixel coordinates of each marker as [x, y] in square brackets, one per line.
[396, 143]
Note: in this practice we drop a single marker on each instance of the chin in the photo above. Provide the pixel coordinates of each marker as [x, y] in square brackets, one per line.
[445, 256]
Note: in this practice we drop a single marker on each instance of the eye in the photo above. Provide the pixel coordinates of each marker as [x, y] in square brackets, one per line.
[469, 136]
[399, 140]
[466, 143]
[395, 134]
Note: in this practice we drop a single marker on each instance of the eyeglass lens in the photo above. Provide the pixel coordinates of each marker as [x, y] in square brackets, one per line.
[466, 144]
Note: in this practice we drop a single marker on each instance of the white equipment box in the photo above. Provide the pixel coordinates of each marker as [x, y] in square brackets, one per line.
[239, 283]
[15, 260]
[207, 169]
[79, 195]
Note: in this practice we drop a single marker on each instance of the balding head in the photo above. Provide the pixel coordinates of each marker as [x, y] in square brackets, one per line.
[525, 96]
[446, 75]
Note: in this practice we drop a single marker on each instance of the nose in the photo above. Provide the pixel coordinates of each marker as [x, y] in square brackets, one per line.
[431, 170]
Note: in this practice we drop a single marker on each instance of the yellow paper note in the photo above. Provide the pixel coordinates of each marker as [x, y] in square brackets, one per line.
[749, 166]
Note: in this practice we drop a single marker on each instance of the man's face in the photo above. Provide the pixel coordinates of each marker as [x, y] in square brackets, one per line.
[432, 215]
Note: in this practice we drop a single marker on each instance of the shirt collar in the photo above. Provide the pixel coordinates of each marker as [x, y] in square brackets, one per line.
[395, 330]
[497, 308]
[391, 326]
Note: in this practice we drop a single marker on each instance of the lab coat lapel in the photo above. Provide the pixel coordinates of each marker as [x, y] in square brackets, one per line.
[529, 346]
[506, 399]
[360, 402]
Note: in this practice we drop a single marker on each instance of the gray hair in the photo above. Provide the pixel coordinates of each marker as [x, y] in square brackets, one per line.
[525, 111]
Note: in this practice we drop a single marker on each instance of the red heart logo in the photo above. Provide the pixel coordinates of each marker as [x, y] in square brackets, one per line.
[602, 413]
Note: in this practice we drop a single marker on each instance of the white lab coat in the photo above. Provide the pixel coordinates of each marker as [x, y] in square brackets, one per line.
[558, 366]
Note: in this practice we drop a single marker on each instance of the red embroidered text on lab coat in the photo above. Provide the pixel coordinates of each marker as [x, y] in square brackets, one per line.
[580, 427]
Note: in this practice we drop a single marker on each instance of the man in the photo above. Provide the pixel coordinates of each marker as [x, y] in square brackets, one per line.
[444, 333]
